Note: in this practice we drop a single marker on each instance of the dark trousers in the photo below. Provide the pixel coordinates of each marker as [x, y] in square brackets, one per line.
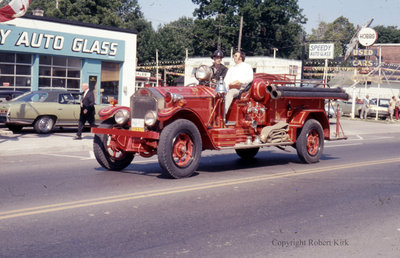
[89, 117]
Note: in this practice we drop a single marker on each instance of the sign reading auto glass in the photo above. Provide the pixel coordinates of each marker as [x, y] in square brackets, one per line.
[367, 37]
[20, 39]
[321, 51]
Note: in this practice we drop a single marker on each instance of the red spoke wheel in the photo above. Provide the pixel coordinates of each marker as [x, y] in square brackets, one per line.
[179, 149]
[310, 142]
[107, 152]
[182, 150]
[313, 142]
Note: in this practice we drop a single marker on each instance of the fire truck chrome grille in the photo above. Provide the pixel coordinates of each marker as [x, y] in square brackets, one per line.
[141, 105]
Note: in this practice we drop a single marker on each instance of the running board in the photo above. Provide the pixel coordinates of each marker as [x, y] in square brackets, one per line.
[244, 145]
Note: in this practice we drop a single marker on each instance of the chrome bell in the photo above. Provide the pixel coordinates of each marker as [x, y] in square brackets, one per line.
[221, 88]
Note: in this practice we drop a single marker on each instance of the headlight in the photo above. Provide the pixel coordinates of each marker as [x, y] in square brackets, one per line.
[203, 73]
[150, 118]
[121, 116]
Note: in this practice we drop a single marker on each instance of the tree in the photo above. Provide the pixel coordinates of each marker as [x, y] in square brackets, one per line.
[389, 34]
[318, 33]
[339, 32]
[174, 38]
[266, 24]
[119, 13]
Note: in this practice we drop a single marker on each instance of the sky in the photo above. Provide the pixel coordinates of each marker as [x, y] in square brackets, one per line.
[384, 12]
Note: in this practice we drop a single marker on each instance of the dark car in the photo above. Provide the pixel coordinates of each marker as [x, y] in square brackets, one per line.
[6, 95]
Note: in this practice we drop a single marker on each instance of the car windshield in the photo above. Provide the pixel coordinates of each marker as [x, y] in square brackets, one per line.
[384, 102]
[32, 97]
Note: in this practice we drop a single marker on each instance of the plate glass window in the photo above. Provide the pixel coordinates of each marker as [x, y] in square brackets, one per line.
[15, 71]
[59, 72]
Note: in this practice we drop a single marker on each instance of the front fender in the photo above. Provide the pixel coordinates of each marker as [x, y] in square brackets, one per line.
[167, 113]
[109, 111]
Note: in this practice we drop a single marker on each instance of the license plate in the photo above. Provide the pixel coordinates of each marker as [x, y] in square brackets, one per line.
[137, 125]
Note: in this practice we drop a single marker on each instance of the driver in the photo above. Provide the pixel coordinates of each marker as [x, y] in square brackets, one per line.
[218, 69]
[237, 78]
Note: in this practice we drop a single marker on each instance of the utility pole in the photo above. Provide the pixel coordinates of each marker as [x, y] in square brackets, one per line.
[240, 33]
[275, 50]
[157, 67]
[303, 53]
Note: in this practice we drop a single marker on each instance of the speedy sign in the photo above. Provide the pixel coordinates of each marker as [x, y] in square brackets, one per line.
[321, 51]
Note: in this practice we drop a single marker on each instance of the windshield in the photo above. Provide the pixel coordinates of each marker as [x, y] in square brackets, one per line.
[384, 102]
[32, 97]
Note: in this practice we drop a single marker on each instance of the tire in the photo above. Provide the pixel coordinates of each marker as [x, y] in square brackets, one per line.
[108, 156]
[15, 128]
[44, 124]
[179, 149]
[310, 142]
[247, 153]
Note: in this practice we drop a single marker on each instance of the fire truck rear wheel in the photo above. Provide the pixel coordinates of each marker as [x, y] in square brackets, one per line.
[105, 152]
[310, 142]
[179, 149]
[247, 153]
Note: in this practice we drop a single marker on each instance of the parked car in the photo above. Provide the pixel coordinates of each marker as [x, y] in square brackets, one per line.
[330, 109]
[6, 95]
[382, 108]
[43, 109]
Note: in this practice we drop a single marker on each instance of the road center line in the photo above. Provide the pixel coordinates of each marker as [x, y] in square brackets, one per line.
[173, 190]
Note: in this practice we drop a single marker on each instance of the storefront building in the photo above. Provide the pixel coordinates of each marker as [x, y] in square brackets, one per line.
[42, 52]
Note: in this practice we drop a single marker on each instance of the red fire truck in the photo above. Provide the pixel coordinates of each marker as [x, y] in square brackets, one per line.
[178, 123]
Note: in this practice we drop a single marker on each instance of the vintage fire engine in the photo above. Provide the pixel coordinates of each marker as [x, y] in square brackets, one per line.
[178, 123]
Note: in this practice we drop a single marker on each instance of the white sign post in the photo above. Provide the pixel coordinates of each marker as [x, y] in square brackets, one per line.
[322, 51]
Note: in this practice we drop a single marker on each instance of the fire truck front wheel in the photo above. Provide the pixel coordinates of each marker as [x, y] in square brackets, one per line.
[310, 142]
[179, 149]
[106, 152]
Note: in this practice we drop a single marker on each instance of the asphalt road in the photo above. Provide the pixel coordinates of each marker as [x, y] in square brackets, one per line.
[66, 205]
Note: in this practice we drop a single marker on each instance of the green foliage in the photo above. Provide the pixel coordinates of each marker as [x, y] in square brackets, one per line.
[173, 39]
[266, 24]
[117, 13]
[339, 32]
[389, 34]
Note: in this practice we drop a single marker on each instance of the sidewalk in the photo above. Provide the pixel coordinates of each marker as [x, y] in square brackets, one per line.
[32, 143]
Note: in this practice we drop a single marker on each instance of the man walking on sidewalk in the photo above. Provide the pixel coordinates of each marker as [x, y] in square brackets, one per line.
[365, 108]
[87, 110]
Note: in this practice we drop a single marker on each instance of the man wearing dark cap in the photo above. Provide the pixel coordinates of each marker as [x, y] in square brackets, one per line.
[218, 69]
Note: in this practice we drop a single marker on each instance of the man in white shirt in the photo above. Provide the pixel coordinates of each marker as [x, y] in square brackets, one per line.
[237, 78]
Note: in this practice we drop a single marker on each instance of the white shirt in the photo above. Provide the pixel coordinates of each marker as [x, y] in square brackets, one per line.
[241, 72]
[83, 96]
